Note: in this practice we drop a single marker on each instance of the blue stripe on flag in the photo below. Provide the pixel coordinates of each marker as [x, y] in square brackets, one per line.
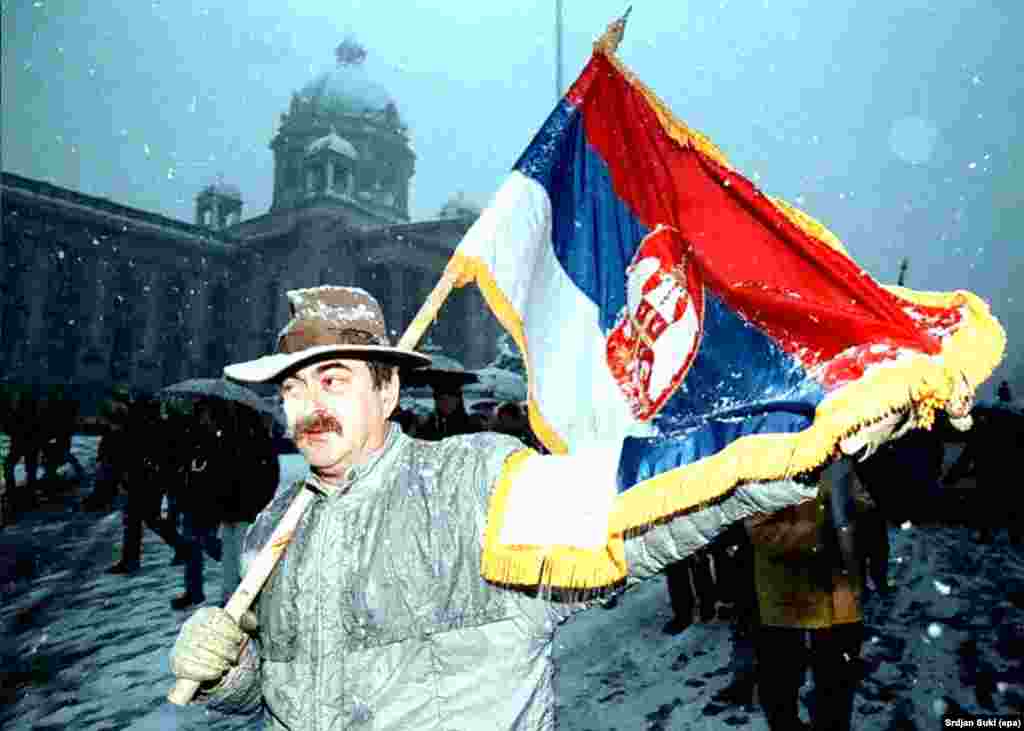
[646, 457]
[594, 234]
[741, 383]
[736, 364]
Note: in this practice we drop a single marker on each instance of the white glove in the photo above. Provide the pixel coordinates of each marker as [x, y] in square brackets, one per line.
[209, 644]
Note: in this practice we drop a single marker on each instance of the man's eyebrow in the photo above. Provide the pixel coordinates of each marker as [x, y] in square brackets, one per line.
[332, 364]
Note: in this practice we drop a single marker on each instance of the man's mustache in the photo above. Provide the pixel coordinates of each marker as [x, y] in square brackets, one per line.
[320, 422]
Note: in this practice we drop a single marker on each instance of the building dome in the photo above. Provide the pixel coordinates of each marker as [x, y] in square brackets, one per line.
[347, 89]
[334, 143]
[342, 141]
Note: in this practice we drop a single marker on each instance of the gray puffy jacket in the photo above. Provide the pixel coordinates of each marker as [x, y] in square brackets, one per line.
[377, 617]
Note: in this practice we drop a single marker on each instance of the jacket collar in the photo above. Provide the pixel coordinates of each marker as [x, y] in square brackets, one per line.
[357, 472]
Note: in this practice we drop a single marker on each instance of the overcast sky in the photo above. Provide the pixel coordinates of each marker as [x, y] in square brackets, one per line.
[894, 122]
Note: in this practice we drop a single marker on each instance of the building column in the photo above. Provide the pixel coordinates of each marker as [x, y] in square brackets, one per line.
[147, 362]
[309, 181]
[257, 340]
[197, 300]
[33, 351]
[95, 350]
[329, 182]
[6, 302]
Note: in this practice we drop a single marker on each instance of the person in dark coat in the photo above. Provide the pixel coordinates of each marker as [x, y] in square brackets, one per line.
[60, 419]
[24, 428]
[449, 417]
[247, 486]
[686, 596]
[151, 468]
[913, 463]
[511, 418]
[994, 441]
[230, 473]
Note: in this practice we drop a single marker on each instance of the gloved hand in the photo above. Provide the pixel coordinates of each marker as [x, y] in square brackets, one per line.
[209, 644]
[866, 440]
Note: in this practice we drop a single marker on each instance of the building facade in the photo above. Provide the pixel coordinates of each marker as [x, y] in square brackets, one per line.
[94, 293]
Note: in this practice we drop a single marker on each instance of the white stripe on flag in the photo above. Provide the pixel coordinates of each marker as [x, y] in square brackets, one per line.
[571, 382]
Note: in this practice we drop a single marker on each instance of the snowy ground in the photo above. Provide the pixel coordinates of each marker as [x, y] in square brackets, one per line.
[81, 649]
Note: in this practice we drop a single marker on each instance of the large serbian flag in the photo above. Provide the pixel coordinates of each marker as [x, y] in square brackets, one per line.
[673, 315]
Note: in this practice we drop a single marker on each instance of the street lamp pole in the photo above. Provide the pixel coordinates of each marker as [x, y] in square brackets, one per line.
[558, 50]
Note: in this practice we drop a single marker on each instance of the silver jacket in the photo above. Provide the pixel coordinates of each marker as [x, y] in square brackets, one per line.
[377, 617]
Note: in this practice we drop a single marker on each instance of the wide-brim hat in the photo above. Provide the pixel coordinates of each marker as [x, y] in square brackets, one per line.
[327, 321]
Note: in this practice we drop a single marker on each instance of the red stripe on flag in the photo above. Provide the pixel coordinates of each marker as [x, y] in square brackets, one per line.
[814, 301]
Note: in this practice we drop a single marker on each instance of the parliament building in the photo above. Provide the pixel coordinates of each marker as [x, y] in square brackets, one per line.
[94, 293]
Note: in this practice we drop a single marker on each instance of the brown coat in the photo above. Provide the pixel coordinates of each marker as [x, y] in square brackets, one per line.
[799, 582]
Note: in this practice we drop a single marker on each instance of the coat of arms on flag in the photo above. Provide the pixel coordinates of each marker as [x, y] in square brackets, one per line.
[656, 338]
[703, 334]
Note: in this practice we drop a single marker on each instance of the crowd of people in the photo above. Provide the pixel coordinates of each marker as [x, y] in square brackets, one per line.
[196, 473]
[449, 417]
[39, 421]
[792, 583]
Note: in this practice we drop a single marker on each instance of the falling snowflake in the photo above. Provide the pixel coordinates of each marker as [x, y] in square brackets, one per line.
[943, 589]
[935, 630]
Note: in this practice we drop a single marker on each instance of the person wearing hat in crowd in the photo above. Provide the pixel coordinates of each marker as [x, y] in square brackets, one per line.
[376, 614]
[449, 416]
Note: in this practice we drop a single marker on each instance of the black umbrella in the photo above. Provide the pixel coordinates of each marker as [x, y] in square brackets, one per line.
[438, 378]
[195, 389]
[243, 471]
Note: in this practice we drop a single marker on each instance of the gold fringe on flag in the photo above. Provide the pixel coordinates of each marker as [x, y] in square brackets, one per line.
[918, 383]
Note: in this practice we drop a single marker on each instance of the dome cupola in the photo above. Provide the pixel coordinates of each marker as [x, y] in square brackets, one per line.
[342, 141]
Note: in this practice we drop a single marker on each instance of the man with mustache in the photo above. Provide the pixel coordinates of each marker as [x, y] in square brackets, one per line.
[376, 615]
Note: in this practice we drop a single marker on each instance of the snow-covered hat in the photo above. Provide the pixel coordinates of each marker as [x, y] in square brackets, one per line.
[327, 321]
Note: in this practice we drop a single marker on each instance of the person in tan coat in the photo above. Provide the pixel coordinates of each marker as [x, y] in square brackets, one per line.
[807, 586]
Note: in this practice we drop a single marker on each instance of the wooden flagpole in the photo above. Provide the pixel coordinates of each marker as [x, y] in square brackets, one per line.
[262, 566]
